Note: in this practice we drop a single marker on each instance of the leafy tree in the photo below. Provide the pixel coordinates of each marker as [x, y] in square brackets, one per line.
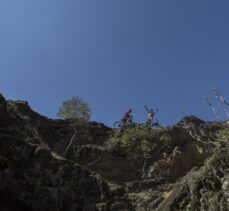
[77, 110]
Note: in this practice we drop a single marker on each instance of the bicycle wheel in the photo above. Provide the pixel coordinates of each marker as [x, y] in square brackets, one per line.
[117, 124]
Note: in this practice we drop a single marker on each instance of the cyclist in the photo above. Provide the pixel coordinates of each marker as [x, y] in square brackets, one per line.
[127, 117]
[150, 115]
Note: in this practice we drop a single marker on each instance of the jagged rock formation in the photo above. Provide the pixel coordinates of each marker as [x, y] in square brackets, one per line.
[188, 173]
[3, 110]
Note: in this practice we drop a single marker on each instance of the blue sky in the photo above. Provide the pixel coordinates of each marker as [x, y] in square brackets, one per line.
[116, 54]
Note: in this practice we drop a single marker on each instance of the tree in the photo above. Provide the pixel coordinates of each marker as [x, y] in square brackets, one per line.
[77, 110]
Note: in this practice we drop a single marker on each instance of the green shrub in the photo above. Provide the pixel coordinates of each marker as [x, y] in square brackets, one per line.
[137, 141]
[223, 135]
[165, 138]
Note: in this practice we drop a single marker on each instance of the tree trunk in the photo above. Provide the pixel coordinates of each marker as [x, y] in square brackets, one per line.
[71, 142]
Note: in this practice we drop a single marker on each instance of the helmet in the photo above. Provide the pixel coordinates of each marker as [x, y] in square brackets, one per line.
[130, 110]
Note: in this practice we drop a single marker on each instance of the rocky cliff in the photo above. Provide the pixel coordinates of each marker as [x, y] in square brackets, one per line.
[188, 171]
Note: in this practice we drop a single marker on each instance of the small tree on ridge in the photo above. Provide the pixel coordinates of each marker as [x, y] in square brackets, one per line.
[75, 109]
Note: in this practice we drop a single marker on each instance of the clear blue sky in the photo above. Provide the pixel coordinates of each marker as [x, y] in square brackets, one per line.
[116, 54]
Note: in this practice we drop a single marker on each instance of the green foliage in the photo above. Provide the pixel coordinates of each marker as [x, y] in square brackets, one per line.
[83, 123]
[137, 140]
[222, 139]
[165, 138]
[185, 205]
[199, 149]
[223, 135]
[75, 108]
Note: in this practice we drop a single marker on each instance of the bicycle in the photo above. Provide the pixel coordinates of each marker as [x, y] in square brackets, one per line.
[154, 124]
[122, 123]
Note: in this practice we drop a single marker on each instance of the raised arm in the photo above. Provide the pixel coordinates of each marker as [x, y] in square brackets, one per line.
[155, 111]
[146, 108]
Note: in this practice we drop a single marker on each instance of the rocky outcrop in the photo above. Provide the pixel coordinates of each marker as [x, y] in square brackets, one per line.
[3, 110]
[189, 171]
[201, 189]
[32, 177]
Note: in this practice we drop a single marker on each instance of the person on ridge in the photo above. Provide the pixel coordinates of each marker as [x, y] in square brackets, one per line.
[150, 116]
[127, 117]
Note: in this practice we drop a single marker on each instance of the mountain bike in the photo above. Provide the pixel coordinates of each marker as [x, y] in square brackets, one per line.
[122, 123]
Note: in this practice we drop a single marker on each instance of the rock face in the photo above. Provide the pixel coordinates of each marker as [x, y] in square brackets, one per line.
[35, 178]
[188, 173]
[3, 110]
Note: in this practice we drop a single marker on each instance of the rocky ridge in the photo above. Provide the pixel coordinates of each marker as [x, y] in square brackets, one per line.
[190, 172]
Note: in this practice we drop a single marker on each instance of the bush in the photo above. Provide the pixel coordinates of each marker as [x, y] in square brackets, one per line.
[139, 141]
[135, 141]
[223, 135]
